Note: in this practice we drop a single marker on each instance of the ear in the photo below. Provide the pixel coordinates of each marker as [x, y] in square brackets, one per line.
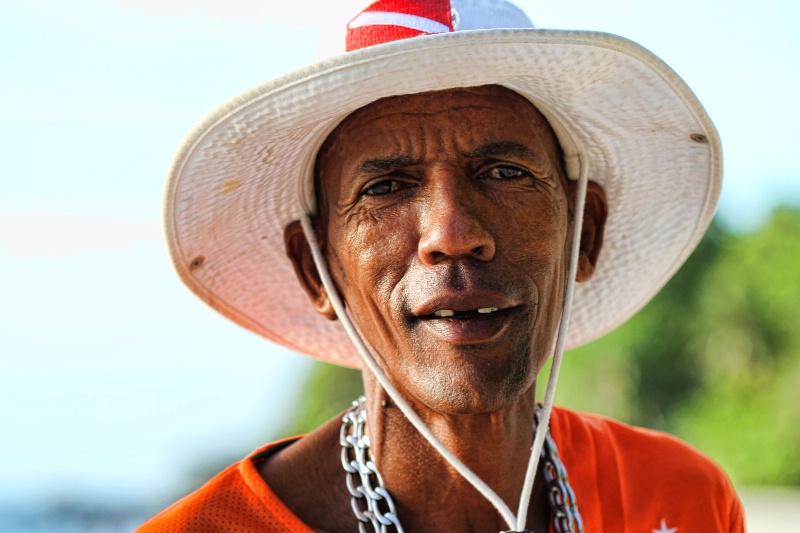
[595, 212]
[299, 253]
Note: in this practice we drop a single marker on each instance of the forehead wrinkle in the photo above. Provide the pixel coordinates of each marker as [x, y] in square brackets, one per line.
[399, 148]
[385, 109]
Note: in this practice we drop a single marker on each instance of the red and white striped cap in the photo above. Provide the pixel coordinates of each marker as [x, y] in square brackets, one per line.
[391, 20]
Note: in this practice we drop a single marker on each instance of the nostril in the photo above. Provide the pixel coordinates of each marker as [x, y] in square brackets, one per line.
[453, 234]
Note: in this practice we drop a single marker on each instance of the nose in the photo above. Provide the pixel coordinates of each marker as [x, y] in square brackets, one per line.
[453, 225]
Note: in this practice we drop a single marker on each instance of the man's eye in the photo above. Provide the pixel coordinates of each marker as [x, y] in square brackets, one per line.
[505, 173]
[382, 187]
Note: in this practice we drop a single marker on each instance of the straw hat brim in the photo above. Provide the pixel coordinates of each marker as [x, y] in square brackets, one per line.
[246, 171]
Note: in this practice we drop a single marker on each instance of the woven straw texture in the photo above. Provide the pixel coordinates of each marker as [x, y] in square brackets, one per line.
[247, 170]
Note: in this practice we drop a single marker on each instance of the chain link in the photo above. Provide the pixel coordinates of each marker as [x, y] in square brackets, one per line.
[564, 505]
[372, 504]
[370, 501]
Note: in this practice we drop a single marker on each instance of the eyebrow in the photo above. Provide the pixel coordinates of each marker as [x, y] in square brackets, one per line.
[494, 149]
[384, 164]
[504, 149]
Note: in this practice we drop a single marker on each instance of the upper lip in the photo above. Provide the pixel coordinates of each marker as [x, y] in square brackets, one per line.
[463, 300]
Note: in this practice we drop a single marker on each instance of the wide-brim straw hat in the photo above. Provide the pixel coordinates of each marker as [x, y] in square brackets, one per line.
[246, 171]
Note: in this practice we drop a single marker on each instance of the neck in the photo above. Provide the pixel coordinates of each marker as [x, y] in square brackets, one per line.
[429, 493]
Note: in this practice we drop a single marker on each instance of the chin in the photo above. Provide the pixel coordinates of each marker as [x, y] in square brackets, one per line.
[474, 387]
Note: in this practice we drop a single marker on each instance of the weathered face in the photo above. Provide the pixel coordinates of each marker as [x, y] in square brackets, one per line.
[445, 220]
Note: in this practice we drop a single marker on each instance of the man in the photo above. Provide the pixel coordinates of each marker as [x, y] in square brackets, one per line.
[437, 198]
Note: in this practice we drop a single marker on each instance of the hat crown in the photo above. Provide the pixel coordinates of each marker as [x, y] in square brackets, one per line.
[391, 20]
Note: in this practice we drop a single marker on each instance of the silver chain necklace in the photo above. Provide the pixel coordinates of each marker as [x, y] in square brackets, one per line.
[372, 504]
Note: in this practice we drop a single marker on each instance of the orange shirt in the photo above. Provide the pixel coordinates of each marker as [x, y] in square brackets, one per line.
[626, 480]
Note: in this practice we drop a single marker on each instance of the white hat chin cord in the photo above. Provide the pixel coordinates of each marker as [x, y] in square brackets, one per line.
[513, 522]
[558, 355]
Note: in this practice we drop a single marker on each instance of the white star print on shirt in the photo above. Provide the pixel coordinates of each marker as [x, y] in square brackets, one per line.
[664, 528]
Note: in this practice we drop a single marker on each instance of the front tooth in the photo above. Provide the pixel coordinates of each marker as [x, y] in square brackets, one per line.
[444, 313]
[487, 310]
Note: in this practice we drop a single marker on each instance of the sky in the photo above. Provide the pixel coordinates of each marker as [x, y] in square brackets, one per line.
[114, 379]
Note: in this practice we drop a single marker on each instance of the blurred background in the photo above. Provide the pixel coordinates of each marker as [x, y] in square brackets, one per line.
[120, 391]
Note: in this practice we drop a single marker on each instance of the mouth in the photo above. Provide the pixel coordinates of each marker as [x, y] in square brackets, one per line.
[467, 324]
[481, 313]
[447, 313]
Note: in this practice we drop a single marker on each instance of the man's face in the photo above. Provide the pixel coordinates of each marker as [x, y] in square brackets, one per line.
[445, 222]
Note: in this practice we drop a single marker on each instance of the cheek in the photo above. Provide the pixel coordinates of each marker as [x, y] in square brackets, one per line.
[534, 233]
[373, 257]
[373, 254]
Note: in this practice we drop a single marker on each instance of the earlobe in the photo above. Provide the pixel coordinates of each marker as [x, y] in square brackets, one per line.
[299, 253]
[595, 212]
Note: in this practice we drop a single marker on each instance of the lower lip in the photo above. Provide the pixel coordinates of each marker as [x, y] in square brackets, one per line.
[469, 330]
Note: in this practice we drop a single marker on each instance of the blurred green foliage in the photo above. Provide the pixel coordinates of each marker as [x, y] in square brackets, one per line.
[714, 358]
[328, 391]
